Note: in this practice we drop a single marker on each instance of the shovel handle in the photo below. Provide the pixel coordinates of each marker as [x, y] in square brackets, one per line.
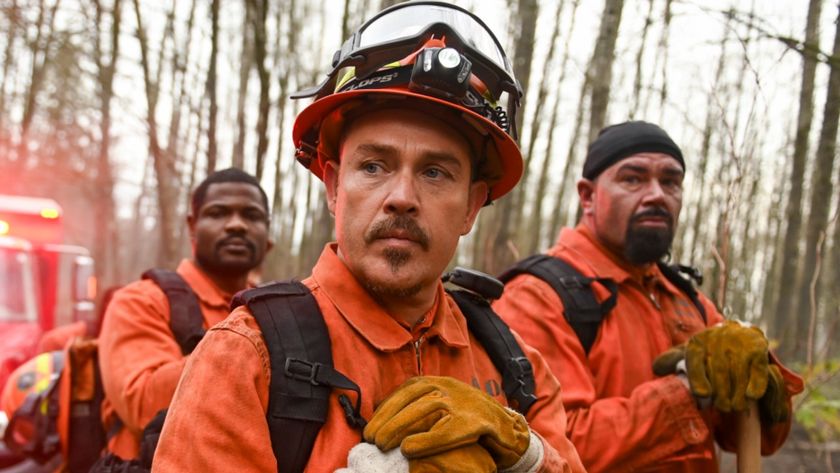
[749, 440]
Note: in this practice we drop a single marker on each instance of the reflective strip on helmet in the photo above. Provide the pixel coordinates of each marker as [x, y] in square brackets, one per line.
[44, 370]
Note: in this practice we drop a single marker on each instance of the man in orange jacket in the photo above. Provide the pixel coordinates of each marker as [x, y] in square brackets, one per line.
[139, 357]
[409, 152]
[622, 417]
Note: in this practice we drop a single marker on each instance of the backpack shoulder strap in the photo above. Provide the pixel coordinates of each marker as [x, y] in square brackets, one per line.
[185, 319]
[672, 274]
[302, 373]
[505, 353]
[580, 307]
[86, 436]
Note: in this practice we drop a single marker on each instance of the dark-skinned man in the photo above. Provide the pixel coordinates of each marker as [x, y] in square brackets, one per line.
[409, 152]
[622, 416]
[140, 358]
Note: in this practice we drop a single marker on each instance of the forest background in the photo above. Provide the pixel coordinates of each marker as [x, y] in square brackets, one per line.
[116, 108]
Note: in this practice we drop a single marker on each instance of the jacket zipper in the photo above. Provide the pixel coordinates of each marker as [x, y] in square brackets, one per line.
[417, 344]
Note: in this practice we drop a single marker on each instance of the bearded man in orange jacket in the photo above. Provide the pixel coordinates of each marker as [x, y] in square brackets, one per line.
[409, 150]
[139, 357]
[622, 416]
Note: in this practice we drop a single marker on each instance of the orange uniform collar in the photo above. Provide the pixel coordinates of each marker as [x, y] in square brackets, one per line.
[371, 321]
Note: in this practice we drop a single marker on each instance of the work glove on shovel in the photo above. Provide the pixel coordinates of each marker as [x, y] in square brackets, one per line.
[729, 365]
[429, 415]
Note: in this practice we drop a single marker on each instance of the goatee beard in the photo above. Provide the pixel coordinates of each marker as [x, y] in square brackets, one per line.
[644, 245]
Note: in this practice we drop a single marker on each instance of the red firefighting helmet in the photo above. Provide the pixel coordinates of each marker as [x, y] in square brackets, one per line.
[30, 401]
[425, 55]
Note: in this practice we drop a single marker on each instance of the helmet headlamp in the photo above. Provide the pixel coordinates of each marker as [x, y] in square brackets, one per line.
[442, 72]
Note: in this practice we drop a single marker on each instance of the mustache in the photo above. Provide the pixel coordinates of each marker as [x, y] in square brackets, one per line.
[403, 223]
[653, 212]
[239, 239]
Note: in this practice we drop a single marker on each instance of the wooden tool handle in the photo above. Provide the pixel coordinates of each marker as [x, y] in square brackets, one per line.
[749, 440]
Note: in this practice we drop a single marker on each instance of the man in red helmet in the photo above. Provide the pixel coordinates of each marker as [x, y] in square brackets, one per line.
[408, 154]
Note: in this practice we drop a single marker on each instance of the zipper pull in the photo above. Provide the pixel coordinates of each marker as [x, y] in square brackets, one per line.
[417, 344]
[655, 302]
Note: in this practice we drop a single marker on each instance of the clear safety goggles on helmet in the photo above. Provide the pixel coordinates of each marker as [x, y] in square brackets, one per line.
[400, 31]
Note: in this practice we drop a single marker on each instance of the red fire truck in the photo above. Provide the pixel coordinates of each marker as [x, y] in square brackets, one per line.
[44, 283]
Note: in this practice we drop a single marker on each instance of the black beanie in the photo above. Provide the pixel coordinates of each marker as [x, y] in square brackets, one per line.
[623, 140]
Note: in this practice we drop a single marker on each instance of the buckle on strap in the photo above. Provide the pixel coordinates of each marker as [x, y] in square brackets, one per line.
[520, 367]
[303, 370]
[574, 282]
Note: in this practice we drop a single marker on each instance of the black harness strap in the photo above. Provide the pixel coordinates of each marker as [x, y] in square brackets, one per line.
[302, 373]
[581, 309]
[672, 273]
[186, 320]
[505, 353]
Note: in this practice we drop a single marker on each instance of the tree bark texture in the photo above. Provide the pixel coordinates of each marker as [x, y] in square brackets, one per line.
[600, 70]
[212, 153]
[786, 298]
[820, 194]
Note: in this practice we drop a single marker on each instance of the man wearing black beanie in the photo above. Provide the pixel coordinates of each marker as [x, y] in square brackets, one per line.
[634, 345]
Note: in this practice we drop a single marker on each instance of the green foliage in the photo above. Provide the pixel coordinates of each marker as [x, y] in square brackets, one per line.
[818, 407]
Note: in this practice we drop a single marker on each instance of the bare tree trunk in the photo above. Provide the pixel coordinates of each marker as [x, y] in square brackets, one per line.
[137, 227]
[695, 248]
[194, 110]
[832, 302]
[385, 4]
[107, 236]
[260, 13]
[747, 255]
[600, 71]
[786, 299]
[637, 80]
[345, 21]
[773, 243]
[284, 55]
[536, 126]
[820, 192]
[178, 86]
[211, 87]
[536, 223]
[663, 53]
[501, 255]
[41, 47]
[12, 13]
[167, 176]
[559, 216]
[238, 160]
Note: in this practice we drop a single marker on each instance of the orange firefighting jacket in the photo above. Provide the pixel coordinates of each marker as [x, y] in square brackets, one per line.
[139, 359]
[217, 418]
[622, 418]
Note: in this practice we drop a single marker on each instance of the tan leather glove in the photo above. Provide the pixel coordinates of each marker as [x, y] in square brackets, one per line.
[729, 364]
[472, 458]
[428, 415]
[775, 406]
